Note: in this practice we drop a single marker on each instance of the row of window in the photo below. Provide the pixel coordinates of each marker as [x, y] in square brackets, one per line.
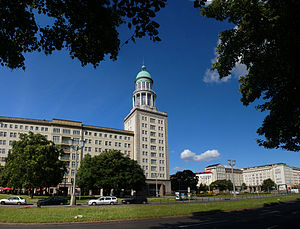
[153, 154]
[58, 131]
[144, 85]
[152, 134]
[145, 146]
[152, 127]
[153, 168]
[152, 140]
[152, 120]
[21, 127]
[154, 175]
[56, 139]
[11, 134]
[2, 151]
[107, 135]
[153, 161]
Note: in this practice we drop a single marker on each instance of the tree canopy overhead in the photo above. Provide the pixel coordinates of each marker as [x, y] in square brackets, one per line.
[266, 39]
[86, 28]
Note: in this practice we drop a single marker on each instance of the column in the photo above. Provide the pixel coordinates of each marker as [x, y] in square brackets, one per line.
[133, 101]
[151, 100]
[147, 99]
[140, 98]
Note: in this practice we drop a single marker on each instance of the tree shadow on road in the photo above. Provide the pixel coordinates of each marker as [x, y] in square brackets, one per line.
[275, 215]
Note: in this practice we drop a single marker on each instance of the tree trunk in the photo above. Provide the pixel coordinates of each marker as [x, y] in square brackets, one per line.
[31, 193]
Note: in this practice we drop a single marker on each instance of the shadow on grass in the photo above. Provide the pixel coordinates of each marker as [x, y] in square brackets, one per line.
[275, 215]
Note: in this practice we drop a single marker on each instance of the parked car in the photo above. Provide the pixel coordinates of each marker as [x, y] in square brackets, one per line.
[55, 200]
[13, 200]
[135, 200]
[104, 200]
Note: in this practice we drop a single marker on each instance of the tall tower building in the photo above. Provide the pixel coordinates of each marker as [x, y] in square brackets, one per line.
[150, 128]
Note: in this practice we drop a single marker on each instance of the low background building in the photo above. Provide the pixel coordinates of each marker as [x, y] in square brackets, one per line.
[283, 175]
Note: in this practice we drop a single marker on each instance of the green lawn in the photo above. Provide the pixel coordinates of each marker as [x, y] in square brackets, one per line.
[67, 214]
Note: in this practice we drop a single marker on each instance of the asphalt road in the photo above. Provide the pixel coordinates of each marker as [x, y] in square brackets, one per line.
[283, 215]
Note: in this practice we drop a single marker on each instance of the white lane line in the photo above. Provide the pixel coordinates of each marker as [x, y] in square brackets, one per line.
[202, 223]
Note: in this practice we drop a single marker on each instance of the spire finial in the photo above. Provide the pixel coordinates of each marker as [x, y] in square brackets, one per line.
[143, 67]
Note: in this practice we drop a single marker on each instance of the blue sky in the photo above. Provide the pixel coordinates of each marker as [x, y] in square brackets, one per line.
[203, 115]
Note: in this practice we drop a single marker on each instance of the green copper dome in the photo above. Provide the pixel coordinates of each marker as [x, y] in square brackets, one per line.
[143, 75]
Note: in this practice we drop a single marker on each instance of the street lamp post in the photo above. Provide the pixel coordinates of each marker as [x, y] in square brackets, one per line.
[74, 144]
[232, 163]
[156, 191]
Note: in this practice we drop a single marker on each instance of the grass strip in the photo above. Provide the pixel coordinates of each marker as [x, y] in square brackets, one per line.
[67, 214]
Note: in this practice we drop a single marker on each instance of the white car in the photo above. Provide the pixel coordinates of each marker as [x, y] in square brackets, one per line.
[104, 200]
[13, 200]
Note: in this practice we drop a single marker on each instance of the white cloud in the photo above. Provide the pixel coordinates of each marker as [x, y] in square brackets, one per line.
[213, 77]
[177, 169]
[208, 155]
[239, 70]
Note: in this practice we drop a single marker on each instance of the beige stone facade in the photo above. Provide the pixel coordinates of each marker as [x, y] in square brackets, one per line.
[282, 174]
[97, 139]
[220, 172]
[150, 128]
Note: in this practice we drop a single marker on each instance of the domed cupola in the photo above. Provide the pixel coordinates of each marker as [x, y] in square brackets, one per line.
[143, 76]
[143, 94]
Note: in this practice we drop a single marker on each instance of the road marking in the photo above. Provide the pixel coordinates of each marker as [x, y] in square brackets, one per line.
[203, 223]
[271, 212]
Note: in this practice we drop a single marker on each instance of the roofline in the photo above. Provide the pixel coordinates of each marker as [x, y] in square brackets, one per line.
[260, 166]
[63, 123]
[149, 111]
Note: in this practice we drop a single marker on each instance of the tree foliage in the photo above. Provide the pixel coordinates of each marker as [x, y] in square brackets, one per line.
[184, 179]
[2, 181]
[33, 162]
[110, 170]
[244, 187]
[265, 39]
[202, 188]
[86, 28]
[268, 185]
[222, 185]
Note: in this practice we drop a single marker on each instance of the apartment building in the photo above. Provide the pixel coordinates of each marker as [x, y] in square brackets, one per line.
[282, 174]
[97, 139]
[220, 172]
[204, 178]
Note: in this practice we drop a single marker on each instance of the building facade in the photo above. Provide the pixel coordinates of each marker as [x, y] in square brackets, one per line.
[145, 138]
[282, 174]
[204, 178]
[97, 140]
[296, 176]
[220, 172]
